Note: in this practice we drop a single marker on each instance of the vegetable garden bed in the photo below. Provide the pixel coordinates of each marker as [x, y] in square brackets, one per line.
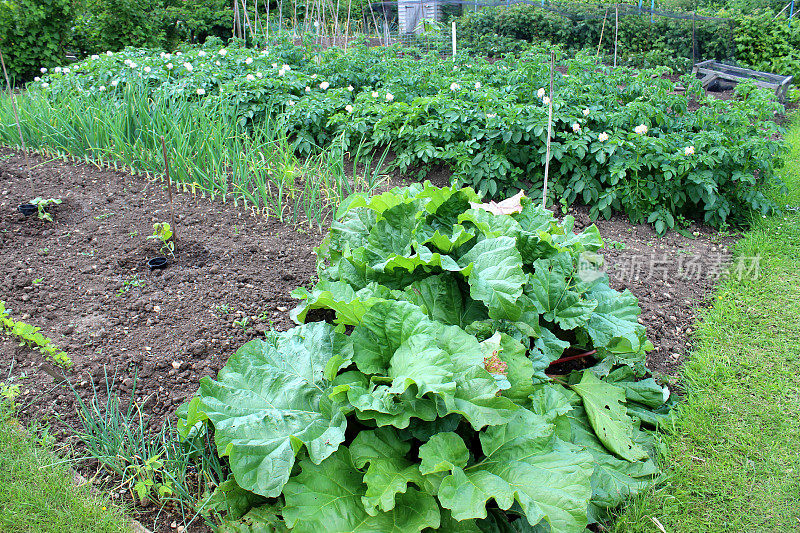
[82, 280]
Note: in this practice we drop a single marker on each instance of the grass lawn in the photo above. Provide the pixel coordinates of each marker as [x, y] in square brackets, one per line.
[37, 494]
[733, 459]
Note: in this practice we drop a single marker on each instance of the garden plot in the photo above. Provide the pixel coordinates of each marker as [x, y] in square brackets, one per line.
[82, 280]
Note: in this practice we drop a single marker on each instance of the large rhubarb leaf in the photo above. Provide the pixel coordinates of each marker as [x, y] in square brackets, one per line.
[389, 471]
[328, 497]
[443, 299]
[551, 288]
[613, 324]
[614, 480]
[348, 304]
[269, 401]
[496, 277]
[526, 463]
[604, 404]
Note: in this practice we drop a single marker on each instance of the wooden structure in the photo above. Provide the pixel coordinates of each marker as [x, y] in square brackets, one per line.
[411, 13]
[711, 71]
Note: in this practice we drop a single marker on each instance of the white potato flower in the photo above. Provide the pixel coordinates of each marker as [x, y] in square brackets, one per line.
[641, 129]
[389, 97]
[689, 150]
[540, 92]
[349, 108]
[324, 85]
[201, 92]
[603, 137]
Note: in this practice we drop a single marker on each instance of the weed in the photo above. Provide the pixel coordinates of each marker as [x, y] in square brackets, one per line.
[104, 216]
[38, 281]
[224, 309]
[43, 251]
[131, 282]
[242, 322]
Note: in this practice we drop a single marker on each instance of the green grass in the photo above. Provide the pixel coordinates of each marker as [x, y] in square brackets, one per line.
[37, 494]
[733, 457]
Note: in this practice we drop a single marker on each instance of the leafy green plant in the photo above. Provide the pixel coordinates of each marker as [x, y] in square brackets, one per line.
[280, 126]
[28, 335]
[42, 204]
[34, 34]
[162, 232]
[431, 390]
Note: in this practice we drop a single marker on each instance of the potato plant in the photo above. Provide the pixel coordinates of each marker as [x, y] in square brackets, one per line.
[624, 140]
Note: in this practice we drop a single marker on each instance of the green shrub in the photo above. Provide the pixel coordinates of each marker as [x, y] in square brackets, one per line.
[115, 24]
[33, 34]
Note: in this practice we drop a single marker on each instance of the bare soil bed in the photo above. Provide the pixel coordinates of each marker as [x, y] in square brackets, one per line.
[83, 280]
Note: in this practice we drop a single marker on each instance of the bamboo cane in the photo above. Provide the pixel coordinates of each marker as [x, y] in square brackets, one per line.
[549, 131]
[19, 128]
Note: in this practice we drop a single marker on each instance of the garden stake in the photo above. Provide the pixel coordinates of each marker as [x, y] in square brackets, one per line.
[602, 28]
[549, 131]
[19, 128]
[169, 195]
[616, 33]
[347, 26]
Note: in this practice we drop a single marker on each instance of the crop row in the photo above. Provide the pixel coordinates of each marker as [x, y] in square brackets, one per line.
[623, 140]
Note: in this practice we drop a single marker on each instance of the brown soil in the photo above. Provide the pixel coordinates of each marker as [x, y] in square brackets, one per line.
[83, 280]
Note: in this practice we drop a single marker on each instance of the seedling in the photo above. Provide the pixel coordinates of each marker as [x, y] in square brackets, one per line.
[242, 323]
[104, 216]
[224, 309]
[38, 281]
[41, 204]
[162, 231]
[617, 245]
[131, 282]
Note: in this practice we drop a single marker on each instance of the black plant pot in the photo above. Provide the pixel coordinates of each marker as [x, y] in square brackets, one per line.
[28, 209]
[157, 263]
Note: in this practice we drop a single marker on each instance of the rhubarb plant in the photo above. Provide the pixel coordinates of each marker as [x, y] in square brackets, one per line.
[427, 399]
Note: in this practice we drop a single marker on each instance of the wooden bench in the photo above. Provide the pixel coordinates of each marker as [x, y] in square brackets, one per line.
[711, 70]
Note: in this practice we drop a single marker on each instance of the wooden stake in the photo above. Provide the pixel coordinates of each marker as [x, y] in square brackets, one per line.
[549, 131]
[19, 128]
[169, 196]
[347, 27]
[616, 33]
[602, 29]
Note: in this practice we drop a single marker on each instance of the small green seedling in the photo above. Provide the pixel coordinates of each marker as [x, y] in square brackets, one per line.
[242, 323]
[163, 232]
[41, 204]
[617, 245]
